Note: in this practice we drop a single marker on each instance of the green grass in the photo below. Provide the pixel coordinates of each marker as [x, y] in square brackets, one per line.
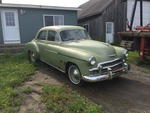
[14, 70]
[144, 65]
[60, 99]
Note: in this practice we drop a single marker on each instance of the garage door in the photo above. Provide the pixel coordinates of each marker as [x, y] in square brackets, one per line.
[146, 12]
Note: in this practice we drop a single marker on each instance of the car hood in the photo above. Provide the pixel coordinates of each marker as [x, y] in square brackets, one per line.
[100, 50]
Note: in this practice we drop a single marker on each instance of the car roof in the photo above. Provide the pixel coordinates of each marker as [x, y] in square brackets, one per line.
[60, 28]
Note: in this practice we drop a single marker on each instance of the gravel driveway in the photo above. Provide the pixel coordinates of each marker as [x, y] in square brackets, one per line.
[128, 94]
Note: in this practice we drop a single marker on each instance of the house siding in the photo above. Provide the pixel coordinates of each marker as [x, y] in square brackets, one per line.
[32, 20]
[116, 12]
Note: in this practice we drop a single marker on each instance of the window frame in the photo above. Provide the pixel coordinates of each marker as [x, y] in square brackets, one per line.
[112, 26]
[55, 37]
[53, 19]
[10, 19]
[39, 34]
[88, 27]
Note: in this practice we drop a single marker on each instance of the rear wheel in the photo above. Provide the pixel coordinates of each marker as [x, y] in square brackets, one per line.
[74, 74]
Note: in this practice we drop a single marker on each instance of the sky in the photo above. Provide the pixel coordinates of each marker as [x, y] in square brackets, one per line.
[65, 3]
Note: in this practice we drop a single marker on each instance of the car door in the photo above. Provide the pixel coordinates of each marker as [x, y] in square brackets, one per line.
[41, 43]
[52, 48]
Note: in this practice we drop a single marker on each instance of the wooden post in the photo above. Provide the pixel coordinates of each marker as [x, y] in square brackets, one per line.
[142, 48]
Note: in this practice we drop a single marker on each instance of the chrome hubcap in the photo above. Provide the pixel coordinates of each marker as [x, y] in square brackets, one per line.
[74, 74]
[32, 56]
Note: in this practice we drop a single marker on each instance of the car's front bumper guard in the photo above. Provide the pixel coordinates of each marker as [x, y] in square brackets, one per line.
[110, 74]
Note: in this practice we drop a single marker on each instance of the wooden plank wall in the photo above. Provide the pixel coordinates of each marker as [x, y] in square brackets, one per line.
[116, 12]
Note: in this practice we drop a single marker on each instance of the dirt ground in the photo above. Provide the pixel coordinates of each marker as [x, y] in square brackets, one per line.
[128, 94]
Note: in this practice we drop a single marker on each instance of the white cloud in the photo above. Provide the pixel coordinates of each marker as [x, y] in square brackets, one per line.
[66, 3]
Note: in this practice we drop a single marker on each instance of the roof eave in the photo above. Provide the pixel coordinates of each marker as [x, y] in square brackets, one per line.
[38, 7]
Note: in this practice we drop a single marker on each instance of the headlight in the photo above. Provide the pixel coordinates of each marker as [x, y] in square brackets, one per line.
[92, 60]
[126, 53]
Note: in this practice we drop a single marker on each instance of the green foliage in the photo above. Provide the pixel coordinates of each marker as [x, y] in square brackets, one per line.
[60, 99]
[14, 70]
[134, 58]
[26, 90]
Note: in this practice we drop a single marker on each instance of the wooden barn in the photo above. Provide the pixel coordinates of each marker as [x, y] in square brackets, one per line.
[105, 18]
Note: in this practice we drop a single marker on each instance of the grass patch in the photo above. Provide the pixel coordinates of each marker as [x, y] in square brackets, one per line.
[59, 99]
[143, 64]
[14, 70]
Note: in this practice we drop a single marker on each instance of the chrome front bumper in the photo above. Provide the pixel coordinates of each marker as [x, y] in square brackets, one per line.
[110, 74]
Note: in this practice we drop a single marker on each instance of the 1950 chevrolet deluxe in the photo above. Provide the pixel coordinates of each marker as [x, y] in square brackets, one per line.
[71, 50]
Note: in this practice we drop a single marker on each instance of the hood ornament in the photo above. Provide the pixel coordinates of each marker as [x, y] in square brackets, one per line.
[111, 56]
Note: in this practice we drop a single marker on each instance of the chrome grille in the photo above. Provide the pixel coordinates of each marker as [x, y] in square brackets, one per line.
[113, 65]
[118, 61]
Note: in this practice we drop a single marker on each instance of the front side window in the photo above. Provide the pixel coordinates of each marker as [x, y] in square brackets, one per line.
[74, 34]
[53, 20]
[42, 35]
[52, 36]
[86, 26]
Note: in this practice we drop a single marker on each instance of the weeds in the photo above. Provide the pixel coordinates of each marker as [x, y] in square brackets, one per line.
[14, 70]
[60, 99]
[143, 64]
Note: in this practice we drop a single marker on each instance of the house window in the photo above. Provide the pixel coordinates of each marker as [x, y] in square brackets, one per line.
[86, 26]
[51, 20]
[10, 18]
[109, 28]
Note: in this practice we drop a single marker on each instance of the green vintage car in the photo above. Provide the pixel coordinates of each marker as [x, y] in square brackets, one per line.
[71, 50]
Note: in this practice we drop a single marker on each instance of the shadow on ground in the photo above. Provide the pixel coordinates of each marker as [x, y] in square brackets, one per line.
[120, 95]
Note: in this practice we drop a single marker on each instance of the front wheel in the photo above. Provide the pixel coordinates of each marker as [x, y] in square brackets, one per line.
[74, 75]
[32, 57]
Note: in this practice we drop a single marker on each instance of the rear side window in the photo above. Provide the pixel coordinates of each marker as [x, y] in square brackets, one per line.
[52, 36]
[42, 35]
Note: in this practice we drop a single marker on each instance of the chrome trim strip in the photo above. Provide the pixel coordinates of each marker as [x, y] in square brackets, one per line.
[110, 61]
[110, 75]
[90, 58]
[95, 78]
[112, 65]
[93, 69]
[113, 55]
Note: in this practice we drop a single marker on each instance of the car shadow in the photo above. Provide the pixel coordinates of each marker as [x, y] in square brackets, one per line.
[120, 95]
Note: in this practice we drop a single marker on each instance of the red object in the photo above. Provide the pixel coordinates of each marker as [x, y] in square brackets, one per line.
[145, 42]
[144, 48]
[143, 28]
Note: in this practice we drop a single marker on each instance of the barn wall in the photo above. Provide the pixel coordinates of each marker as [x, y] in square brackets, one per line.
[116, 12]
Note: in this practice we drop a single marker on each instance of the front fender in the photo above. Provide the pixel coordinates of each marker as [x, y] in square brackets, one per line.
[32, 46]
[120, 51]
[82, 64]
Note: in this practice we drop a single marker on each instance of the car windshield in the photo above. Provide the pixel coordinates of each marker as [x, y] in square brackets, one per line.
[74, 34]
